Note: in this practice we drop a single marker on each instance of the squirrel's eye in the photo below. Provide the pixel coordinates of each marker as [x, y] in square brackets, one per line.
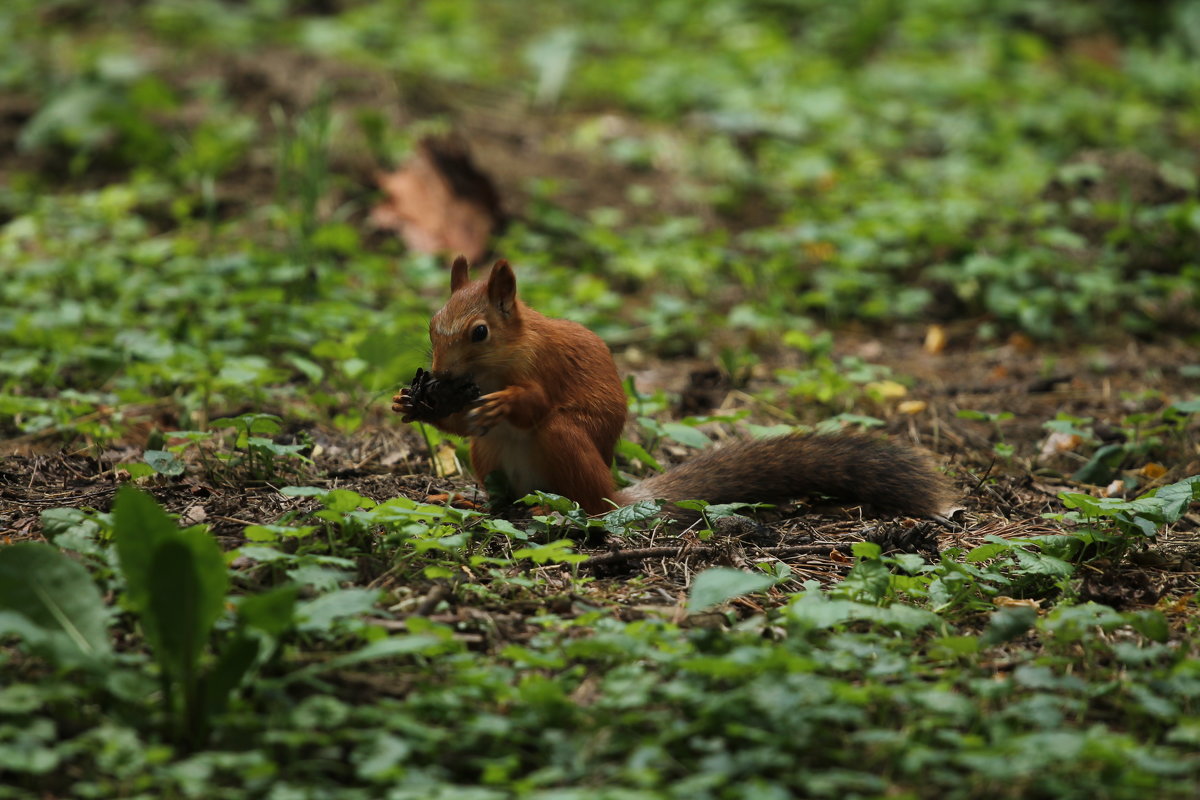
[479, 333]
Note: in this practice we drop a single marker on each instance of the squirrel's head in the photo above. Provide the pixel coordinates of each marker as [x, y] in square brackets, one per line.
[476, 332]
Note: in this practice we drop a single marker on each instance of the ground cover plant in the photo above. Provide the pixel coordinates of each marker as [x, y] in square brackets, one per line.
[225, 570]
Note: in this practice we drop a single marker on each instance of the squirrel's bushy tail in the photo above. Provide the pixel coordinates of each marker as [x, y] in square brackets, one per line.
[846, 466]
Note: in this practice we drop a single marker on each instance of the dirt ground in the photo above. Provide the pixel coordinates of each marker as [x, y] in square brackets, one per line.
[999, 497]
[1104, 381]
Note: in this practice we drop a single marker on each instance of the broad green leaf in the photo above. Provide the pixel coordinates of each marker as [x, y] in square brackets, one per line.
[1152, 624]
[719, 584]
[1177, 497]
[868, 580]
[272, 611]
[320, 613]
[814, 610]
[139, 525]
[987, 551]
[866, 550]
[409, 644]
[303, 491]
[58, 599]
[164, 462]
[616, 521]
[560, 551]
[632, 451]
[1099, 470]
[686, 435]
[1007, 624]
[188, 583]
[226, 675]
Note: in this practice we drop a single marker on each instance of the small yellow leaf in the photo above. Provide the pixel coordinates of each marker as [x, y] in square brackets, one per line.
[445, 462]
[886, 390]
[1004, 601]
[935, 339]
[1152, 471]
[912, 407]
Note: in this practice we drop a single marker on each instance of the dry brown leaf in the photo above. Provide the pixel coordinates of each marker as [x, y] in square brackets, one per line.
[439, 202]
[1021, 343]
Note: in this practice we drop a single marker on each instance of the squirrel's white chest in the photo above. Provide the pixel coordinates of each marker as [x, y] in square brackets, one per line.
[516, 448]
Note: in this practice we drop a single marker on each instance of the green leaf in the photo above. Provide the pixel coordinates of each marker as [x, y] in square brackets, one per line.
[1102, 466]
[686, 435]
[272, 611]
[320, 613]
[868, 580]
[303, 491]
[1176, 498]
[1187, 406]
[560, 551]
[616, 521]
[1007, 624]
[139, 526]
[987, 551]
[56, 596]
[1152, 624]
[410, 644]
[866, 550]
[226, 675]
[164, 462]
[188, 583]
[632, 451]
[719, 584]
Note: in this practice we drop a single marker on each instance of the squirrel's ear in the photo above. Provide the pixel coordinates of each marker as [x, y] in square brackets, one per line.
[459, 274]
[502, 287]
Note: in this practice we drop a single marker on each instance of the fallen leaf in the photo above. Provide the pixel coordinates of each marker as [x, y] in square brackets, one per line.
[935, 339]
[1004, 601]
[1021, 343]
[395, 456]
[440, 202]
[1060, 442]
[445, 461]
[886, 390]
[194, 515]
[1152, 471]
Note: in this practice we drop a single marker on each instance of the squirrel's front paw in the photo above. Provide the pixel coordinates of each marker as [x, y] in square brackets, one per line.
[491, 409]
[403, 404]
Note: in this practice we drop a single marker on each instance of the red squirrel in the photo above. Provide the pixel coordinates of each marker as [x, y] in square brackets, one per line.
[553, 407]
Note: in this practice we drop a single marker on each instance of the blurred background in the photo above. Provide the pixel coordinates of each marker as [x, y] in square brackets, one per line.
[208, 206]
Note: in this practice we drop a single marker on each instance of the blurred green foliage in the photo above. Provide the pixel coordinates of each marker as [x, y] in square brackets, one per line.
[183, 237]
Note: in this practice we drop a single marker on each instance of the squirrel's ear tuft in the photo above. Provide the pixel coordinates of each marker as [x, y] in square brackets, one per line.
[502, 288]
[460, 274]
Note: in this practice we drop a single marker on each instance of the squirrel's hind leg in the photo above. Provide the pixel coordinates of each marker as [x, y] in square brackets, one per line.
[574, 467]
